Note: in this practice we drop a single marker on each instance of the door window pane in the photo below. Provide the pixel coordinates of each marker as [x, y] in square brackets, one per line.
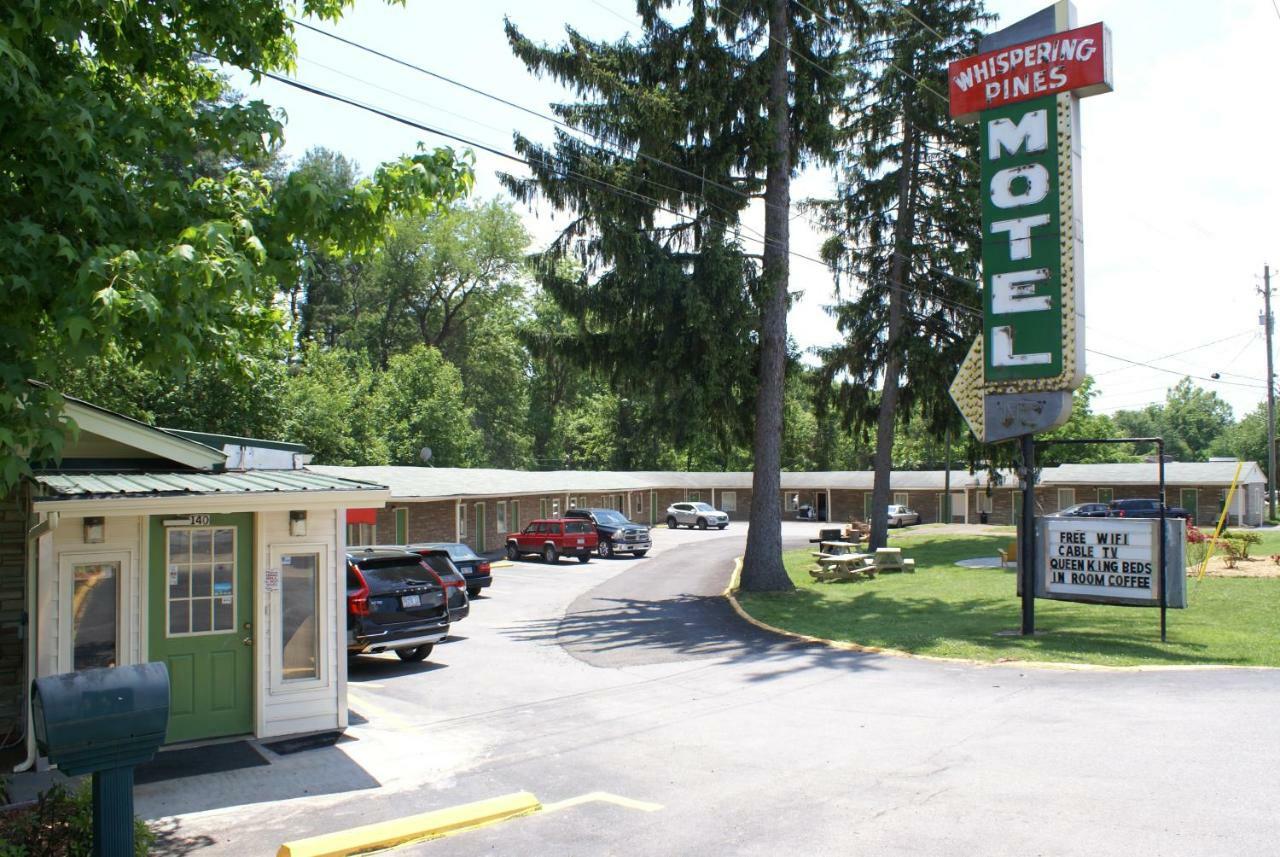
[202, 570]
[299, 607]
[93, 615]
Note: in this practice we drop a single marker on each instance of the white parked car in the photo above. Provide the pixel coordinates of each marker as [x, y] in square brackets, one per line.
[700, 515]
[901, 516]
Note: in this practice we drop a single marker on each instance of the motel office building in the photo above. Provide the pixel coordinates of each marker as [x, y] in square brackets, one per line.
[480, 507]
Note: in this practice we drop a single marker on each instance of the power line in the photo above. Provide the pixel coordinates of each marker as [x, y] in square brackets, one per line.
[1188, 350]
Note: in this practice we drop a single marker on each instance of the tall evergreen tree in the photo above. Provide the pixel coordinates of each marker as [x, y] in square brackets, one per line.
[905, 239]
[701, 117]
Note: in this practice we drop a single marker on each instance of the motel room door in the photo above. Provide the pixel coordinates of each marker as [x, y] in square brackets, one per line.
[201, 610]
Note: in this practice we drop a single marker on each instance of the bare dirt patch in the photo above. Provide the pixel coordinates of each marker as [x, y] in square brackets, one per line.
[1254, 566]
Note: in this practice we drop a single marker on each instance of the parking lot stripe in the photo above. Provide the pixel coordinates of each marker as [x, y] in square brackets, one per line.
[413, 828]
[602, 797]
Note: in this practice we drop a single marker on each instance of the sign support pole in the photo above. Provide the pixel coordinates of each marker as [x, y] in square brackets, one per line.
[1028, 535]
[1164, 571]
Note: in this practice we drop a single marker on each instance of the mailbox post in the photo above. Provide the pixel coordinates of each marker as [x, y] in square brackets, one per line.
[104, 722]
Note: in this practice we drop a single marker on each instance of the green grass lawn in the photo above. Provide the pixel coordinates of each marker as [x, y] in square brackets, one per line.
[949, 611]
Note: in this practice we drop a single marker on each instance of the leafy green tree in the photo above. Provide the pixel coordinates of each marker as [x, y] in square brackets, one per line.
[495, 369]
[905, 240]
[1245, 440]
[113, 233]
[419, 402]
[326, 407]
[1190, 421]
[703, 115]
[1193, 420]
[1084, 423]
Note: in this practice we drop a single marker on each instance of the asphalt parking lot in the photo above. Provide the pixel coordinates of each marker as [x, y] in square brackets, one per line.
[626, 696]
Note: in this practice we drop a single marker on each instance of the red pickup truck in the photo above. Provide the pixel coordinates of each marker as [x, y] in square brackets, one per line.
[552, 538]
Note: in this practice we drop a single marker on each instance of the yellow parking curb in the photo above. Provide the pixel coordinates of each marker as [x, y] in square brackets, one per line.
[502, 563]
[427, 825]
[731, 592]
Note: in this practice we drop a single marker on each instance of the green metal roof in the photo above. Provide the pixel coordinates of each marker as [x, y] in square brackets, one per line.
[84, 486]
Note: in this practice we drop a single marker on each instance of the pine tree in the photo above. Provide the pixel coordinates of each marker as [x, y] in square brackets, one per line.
[905, 229]
[701, 118]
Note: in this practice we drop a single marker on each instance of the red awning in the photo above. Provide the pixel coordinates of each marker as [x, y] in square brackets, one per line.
[362, 516]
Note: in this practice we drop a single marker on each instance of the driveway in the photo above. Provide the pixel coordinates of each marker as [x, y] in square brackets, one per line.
[631, 678]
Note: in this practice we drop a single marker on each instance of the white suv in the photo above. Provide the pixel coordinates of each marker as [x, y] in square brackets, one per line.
[700, 515]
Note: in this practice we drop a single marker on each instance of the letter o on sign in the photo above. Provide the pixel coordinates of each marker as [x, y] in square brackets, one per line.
[1035, 188]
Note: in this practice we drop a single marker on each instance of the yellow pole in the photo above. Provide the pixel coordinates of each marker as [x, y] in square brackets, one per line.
[1222, 520]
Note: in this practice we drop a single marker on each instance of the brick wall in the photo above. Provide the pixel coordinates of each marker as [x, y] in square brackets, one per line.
[13, 522]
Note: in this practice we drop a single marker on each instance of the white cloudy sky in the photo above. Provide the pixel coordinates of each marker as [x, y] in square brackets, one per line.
[1178, 167]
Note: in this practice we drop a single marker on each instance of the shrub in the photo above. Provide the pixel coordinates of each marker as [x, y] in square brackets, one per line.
[60, 824]
[1243, 541]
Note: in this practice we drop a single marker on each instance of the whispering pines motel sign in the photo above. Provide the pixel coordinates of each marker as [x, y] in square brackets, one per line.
[1024, 91]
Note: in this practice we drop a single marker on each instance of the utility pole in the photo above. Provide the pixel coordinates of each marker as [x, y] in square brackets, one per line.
[1271, 394]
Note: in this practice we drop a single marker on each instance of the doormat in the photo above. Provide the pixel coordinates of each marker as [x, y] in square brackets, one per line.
[304, 742]
[197, 761]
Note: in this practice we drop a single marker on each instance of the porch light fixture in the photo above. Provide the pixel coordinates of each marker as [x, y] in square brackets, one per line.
[298, 523]
[95, 531]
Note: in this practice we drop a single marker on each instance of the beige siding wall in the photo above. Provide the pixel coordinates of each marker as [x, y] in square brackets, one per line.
[311, 704]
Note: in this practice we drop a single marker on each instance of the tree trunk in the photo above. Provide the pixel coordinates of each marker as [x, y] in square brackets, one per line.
[762, 569]
[899, 267]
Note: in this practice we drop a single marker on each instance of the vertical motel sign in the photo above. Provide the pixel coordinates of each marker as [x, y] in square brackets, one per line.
[1024, 91]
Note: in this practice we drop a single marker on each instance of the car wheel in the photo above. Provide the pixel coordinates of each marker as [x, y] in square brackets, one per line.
[671, 523]
[702, 523]
[473, 592]
[549, 554]
[605, 548]
[721, 526]
[584, 558]
[512, 553]
[417, 653]
[638, 554]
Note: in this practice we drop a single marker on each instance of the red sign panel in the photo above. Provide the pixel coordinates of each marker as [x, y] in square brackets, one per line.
[362, 516]
[1074, 61]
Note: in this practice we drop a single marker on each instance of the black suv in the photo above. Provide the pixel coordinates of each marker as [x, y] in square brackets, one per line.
[394, 601]
[616, 534]
[1143, 509]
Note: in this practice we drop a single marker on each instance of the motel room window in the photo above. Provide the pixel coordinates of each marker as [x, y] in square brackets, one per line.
[694, 496]
[639, 503]
[1105, 495]
[299, 615]
[202, 580]
[573, 502]
[555, 508]
[462, 522]
[984, 502]
[728, 501]
[94, 600]
[1066, 497]
[900, 498]
[362, 534]
[501, 512]
[793, 502]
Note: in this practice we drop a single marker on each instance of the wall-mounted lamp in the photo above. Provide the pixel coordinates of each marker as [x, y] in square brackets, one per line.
[95, 531]
[298, 523]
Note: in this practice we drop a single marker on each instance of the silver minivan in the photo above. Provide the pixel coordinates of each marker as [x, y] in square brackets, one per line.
[695, 514]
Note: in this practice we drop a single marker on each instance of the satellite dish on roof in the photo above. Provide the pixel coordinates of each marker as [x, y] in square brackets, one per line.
[425, 454]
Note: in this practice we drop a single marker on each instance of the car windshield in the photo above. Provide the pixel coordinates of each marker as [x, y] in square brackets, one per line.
[608, 516]
[702, 507]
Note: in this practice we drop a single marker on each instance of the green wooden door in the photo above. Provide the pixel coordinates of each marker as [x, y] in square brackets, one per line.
[1190, 498]
[200, 605]
[402, 526]
[866, 507]
[481, 544]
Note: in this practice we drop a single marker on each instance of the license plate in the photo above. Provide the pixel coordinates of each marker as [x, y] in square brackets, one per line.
[582, 541]
[411, 601]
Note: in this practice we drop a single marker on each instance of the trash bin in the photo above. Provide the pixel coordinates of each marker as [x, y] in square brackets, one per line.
[982, 517]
